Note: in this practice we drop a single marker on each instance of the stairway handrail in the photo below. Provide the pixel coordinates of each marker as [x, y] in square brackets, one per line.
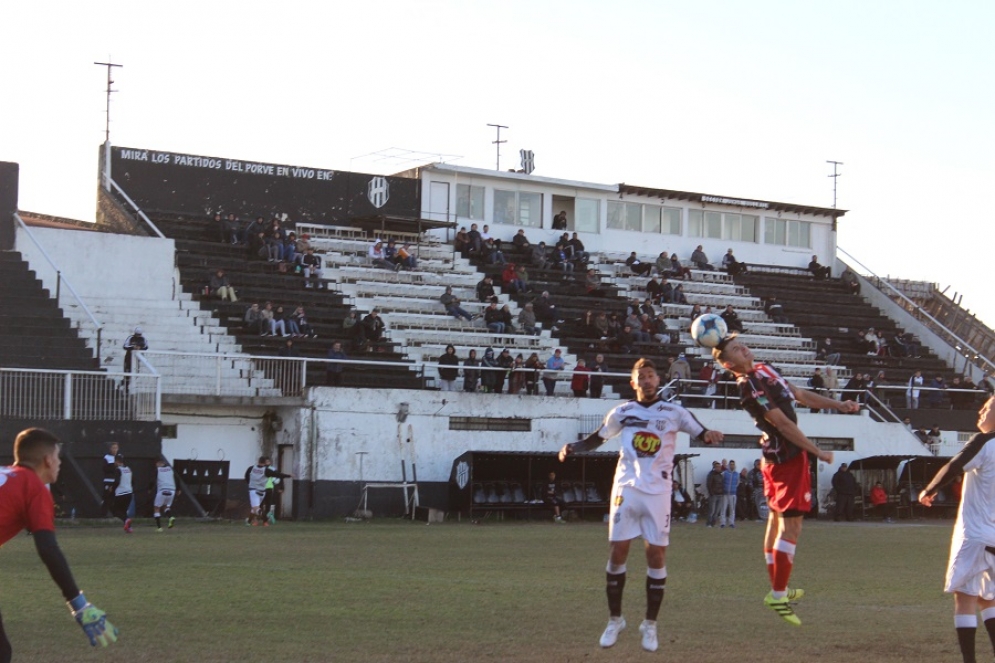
[60, 279]
[137, 209]
[918, 309]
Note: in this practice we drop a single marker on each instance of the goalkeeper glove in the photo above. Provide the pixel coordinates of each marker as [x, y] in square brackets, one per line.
[93, 621]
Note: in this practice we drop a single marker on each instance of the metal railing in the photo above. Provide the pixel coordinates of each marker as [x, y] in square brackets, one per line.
[931, 323]
[60, 281]
[137, 209]
[28, 393]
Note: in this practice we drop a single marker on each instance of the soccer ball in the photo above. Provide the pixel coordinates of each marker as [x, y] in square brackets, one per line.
[708, 330]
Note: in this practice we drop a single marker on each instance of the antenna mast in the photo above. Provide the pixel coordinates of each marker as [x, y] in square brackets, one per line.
[498, 142]
[107, 124]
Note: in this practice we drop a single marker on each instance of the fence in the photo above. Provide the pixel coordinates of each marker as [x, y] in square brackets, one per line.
[78, 395]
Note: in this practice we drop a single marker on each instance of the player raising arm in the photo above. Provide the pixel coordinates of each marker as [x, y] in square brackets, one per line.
[971, 569]
[25, 503]
[641, 493]
[787, 484]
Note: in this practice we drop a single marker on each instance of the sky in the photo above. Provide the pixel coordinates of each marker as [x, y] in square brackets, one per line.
[741, 99]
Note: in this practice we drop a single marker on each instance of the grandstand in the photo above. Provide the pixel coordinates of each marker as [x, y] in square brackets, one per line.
[228, 394]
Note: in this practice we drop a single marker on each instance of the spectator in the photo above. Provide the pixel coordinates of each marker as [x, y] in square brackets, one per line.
[448, 369]
[221, 287]
[374, 327]
[303, 244]
[516, 380]
[471, 372]
[695, 313]
[580, 380]
[488, 375]
[679, 297]
[290, 248]
[553, 365]
[333, 371]
[647, 308]
[506, 362]
[533, 366]
[485, 290]
[732, 266]
[266, 319]
[546, 311]
[851, 281]
[662, 264]
[818, 385]
[845, 486]
[680, 369]
[540, 256]
[592, 284]
[875, 385]
[509, 326]
[660, 331]
[522, 274]
[960, 399]
[377, 256]
[278, 322]
[527, 320]
[559, 259]
[136, 341]
[700, 260]
[832, 385]
[304, 328]
[462, 242]
[713, 484]
[775, 310]
[934, 435]
[406, 257]
[879, 502]
[274, 245]
[638, 268]
[871, 342]
[312, 268]
[681, 504]
[452, 305]
[912, 391]
[636, 327]
[654, 290]
[563, 244]
[577, 247]
[509, 279]
[256, 246]
[520, 241]
[288, 349]
[730, 491]
[937, 386]
[626, 340]
[733, 322]
[390, 254]
[493, 318]
[560, 221]
[757, 483]
[253, 320]
[597, 383]
[826, 352]
[677, 270]
[820, 272]
[474, 240]
[491, 250]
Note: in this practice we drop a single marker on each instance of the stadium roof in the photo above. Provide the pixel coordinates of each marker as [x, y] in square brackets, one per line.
[671, 194]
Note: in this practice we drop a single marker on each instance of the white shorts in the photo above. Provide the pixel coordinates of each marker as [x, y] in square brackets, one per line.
[256, 498]
[971, 571]
[634, 513]
[164, 498]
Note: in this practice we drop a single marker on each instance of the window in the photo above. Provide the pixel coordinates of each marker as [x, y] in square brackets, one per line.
[168, 431]
[625, 216]
[671, 221]
[651, 218]
[722, 225]
[504, 206]
[788, 232]
[530, 209]
[518, 208]
[470, 202]
[587, 215]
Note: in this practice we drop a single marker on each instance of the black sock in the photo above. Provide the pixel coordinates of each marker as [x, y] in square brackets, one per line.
[654, 596]
[965, 638]
[990, 627]
[614, 587]
[157, 522]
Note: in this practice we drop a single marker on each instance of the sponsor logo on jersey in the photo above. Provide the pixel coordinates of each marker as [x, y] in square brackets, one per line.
[646, 444]
[808, 496]
[634, 421]
[618, 500]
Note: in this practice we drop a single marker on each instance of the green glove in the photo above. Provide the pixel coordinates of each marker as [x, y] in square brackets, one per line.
[93, 621]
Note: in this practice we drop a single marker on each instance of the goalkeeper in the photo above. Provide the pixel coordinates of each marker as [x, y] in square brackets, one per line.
[25, 503]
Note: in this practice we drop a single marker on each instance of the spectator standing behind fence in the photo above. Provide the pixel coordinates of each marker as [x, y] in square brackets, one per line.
[597, 381]
[912, 391]
[448, 369]
[333, 370]
[937, 386]
[713, 484]
[471, 372]
[533, 365]
[580, 380]
[504, 361]
[553, 365]
[488, 372]
[516, 380]
[730, 490]
[134, 342]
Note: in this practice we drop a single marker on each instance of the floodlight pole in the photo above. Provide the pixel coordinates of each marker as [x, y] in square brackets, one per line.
[835, 175]
[107, 124]
[498, 142]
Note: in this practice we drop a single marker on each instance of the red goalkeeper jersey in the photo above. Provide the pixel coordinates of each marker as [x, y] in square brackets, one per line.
[25, 503]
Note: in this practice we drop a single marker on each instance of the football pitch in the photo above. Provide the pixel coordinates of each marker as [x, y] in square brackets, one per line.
[400, 591]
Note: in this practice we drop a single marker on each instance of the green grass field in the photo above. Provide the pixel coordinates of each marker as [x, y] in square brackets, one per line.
[402, 591]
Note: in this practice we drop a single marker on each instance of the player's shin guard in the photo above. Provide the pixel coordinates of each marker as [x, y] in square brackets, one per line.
[656, 584]
[784, 560]
[966, 626]
[614, 586]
